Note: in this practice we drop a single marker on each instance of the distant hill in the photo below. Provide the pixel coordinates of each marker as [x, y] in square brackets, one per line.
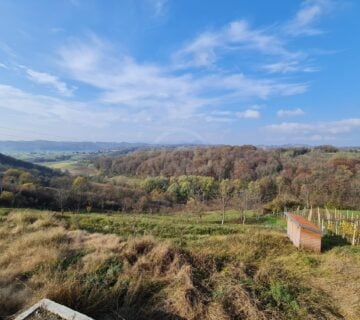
[44, 146]
[7, 162]
[64, 146]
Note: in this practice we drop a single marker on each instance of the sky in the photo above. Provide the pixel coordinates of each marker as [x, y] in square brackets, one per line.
[174, 71]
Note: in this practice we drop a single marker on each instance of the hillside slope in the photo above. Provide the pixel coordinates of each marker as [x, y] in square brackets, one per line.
[215, 272]
[7, 162]
[304, 176]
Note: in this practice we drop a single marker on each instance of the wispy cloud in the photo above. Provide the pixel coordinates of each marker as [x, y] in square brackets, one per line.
[290, 112]
[124, 82]
[285, 67]
[330, 127]
[48, 79]
[53, 109]
[209, 47]
[249, 114]
[8, 50]
[304, 22]
[238, 35]
[237, 64]
[158, 6]
[222, 119]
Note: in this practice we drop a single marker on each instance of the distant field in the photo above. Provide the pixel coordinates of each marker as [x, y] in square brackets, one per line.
[74, 162]
[60, 165]
[73, 166]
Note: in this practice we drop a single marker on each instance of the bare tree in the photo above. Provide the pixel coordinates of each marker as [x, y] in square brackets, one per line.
[226, 192]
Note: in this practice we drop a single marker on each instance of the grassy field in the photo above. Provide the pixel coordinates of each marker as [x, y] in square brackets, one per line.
[178, 266]
[73, 166]
[176, 226]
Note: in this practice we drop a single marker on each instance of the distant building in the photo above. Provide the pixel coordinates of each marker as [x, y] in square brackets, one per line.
[303, 233]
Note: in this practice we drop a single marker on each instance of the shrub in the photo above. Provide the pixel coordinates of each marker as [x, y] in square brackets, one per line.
[7, 198]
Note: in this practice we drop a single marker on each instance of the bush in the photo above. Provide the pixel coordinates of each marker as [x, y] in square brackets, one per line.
[280, 202]
[7, 198]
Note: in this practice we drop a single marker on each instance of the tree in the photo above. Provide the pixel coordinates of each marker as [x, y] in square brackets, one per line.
[61, 186]
[79, 186]
[242, 203]
[226, 191]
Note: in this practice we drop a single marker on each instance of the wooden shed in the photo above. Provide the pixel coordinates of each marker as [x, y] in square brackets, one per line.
[303, 233]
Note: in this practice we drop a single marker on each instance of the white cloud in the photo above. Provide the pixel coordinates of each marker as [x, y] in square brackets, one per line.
[53, 109]
[208, 47]
[169, 94]
[218, 119]
[290, 113]
[249, 114]
[174, 94]
[285, 67]
[318, 128]
[45, 78]
[237, 35]
[4, 66]
[318, 137]
[307, 16]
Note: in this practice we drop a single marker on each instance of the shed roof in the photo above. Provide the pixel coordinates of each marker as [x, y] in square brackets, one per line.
[303, 223]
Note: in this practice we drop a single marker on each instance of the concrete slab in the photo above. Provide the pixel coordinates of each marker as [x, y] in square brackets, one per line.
[55, 308]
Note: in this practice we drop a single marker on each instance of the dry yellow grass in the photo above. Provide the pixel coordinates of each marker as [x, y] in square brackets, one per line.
[255, 274]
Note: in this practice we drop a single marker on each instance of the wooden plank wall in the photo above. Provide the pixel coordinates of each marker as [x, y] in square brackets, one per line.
[310, 240]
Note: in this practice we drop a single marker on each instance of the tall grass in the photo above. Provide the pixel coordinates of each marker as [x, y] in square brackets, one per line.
[171, 267]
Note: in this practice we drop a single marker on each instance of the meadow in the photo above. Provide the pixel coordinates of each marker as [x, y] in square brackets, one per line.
[173, 266]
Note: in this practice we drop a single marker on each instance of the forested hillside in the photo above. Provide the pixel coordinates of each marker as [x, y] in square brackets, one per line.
[23, 184]
[242, 178]
[318, 176]
[7, 162]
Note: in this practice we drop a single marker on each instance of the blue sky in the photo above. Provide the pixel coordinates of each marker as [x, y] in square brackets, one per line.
[159, 71]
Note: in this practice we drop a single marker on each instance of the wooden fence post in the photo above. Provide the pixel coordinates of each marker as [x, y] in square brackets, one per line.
[310, 214]
[328, 214]
[354, 234]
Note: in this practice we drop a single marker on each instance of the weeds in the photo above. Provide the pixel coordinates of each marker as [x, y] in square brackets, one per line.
[233, 271]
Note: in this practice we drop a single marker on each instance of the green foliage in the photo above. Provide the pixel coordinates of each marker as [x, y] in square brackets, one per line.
[106, 275]
[69, 259]
[185, 187]
[280, 202]
[6, 198]
[281, 296]
[160, 184]
[80, 183]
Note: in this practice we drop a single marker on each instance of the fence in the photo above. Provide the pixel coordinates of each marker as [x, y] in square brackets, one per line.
[342, 223]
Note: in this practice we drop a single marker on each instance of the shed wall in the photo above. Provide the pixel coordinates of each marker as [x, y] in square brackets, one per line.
[293, 232]
[310, 240]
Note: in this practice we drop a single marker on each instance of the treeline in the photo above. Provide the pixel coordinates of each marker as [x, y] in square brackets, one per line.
[194, 179]
[26, 188]
[321, 176]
